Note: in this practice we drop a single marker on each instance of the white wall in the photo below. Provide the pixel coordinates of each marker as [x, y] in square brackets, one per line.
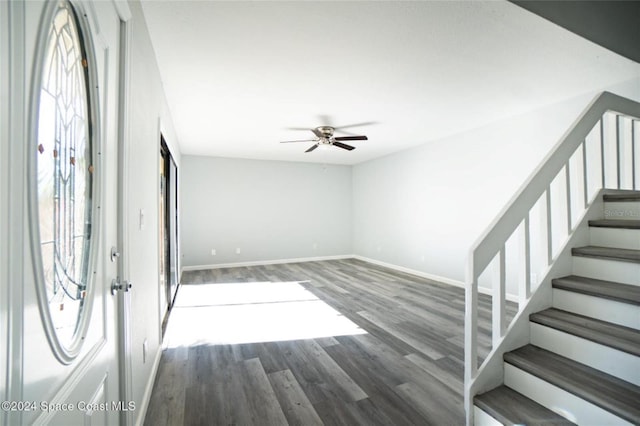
[271, 210]
[148, 116]
[424, 208]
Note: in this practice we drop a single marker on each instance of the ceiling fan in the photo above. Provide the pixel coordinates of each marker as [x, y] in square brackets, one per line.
[325, 138]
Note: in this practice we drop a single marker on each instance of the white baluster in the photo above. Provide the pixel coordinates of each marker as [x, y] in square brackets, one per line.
[602, 161]
[633, 155]
[498, 301]
[618, 152]
[471, 329]
[567, 174]
[584, 174]
[547, 226]
[525, 262]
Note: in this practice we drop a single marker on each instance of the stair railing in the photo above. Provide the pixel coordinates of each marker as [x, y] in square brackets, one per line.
[612, 125]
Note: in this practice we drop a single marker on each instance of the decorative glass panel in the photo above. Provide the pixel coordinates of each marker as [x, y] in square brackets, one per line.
[64, 173]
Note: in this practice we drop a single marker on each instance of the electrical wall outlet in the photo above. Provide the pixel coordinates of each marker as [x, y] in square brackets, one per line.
[238, 250]
[213, 252]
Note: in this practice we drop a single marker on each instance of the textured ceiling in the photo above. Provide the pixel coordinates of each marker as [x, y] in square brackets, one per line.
[238, 74]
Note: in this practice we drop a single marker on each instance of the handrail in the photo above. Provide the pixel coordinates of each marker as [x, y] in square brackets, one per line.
[491, 244]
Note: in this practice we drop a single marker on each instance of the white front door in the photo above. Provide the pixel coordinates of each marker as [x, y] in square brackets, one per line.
[62, 337]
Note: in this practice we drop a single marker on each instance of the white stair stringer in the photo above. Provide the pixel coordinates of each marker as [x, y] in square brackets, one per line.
[604, 358]
[565, 403]
[612, 311]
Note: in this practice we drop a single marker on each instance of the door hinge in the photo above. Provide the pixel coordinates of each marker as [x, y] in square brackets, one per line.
[117, 285]
[115, 254]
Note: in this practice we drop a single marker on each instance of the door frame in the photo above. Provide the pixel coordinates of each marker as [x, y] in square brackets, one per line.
[12, 203]
[169, 255]
[4, 196]
[123, 327]
[15, 109]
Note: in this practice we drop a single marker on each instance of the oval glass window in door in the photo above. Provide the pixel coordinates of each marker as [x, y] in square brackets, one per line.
[65, 181]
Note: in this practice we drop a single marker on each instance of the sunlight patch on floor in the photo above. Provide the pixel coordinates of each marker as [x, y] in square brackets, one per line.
[235, 313]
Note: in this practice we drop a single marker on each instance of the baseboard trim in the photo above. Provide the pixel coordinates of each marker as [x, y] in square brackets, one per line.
[438, 278]
[422, 274]
[265, 262]
[404, 269]
[149, 388]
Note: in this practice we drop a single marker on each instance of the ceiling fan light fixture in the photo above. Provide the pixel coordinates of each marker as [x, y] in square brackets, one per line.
[325, 139]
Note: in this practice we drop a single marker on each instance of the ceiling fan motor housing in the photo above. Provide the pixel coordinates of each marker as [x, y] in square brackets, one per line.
[326, 131]
[325, 134]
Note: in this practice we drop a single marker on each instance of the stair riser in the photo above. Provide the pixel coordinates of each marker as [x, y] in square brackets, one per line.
[611, 361]
[604, 269]
[481, 418]
[596, 307]
[560, 401]
[625, 210]
[614, 237]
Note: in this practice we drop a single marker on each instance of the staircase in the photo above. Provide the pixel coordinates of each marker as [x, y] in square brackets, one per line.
[582, 365]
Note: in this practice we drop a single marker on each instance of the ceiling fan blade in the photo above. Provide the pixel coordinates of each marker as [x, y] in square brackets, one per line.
[344, 146]
[366, 123]
[304, 140]
[315, 131]
[351, 138]
[346, 132]
[312, 148]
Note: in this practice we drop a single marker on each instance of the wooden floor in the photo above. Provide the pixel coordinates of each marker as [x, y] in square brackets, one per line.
[406, 370]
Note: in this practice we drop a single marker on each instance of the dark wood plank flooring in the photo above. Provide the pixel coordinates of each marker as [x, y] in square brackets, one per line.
[406, 370]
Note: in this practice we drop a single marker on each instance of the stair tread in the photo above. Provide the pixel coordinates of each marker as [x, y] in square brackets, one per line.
[623, 196]
[619, 337]
[624, 255]
[610, 393]
[615, 223]
[511, 407]
[626, 293]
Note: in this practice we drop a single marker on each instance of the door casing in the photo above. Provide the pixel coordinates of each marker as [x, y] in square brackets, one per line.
[33, 372]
